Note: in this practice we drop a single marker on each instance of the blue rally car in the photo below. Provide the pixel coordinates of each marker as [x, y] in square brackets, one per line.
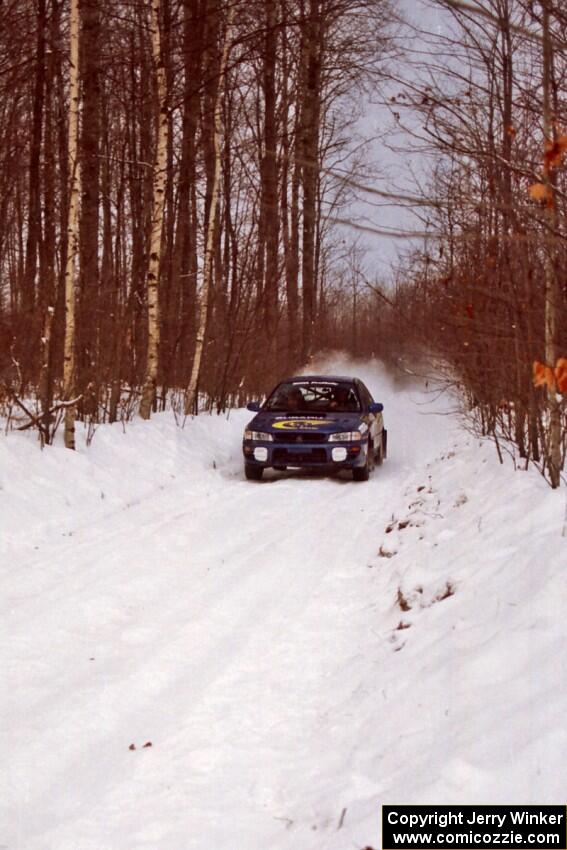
[319, 422]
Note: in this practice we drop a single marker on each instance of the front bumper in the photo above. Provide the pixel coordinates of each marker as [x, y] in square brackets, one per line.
[305, 455]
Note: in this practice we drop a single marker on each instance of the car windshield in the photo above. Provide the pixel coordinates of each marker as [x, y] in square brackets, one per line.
[313, 397]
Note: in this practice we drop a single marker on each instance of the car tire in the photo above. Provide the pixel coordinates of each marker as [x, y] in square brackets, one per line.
[362, 473]
[253, 473]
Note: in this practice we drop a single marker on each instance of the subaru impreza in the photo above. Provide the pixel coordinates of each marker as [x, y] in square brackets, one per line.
[322, 423]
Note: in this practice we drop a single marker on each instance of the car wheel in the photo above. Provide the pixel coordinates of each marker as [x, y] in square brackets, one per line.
[253, 473]
[362, 473]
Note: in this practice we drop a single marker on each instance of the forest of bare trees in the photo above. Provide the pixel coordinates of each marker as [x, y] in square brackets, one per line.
[167, 194]
[485, 103]
[172, 172]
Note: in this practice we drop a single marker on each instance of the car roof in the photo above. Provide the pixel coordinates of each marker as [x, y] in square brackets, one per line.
[306, 379]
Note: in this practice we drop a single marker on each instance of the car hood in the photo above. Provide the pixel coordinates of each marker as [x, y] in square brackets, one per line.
[326, 423]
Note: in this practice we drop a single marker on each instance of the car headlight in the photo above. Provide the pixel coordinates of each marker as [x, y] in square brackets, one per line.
[345, 437]
[258, 435]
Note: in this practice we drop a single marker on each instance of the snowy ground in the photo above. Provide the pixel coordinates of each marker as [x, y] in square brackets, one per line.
[297, 651]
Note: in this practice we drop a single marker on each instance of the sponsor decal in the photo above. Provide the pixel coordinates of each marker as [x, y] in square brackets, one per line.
[296, 424]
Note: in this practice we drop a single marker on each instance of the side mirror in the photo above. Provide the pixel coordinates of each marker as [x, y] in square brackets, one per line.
[254, 406]
[376, 407]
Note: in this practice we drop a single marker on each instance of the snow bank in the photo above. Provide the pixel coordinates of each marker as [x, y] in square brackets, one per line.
[291, 649]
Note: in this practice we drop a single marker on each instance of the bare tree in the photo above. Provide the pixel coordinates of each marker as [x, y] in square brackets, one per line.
[159, 176]
[72, 230]
[191, 394]
[484, 291]
[551, 288]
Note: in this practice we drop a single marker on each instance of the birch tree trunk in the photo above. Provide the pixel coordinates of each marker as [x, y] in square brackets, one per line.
[159, 175]
[72, 231]
[290, 223]
[212, 224]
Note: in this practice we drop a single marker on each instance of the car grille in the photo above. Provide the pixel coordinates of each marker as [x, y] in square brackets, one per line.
[284, 457]
[300, 437]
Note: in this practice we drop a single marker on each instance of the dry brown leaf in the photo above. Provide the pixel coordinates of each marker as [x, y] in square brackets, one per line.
[543, 375]
[561, 375]
[541, 192]
[554, 151]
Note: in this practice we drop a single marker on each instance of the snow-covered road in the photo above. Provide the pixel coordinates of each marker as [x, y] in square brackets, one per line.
[249, 632]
